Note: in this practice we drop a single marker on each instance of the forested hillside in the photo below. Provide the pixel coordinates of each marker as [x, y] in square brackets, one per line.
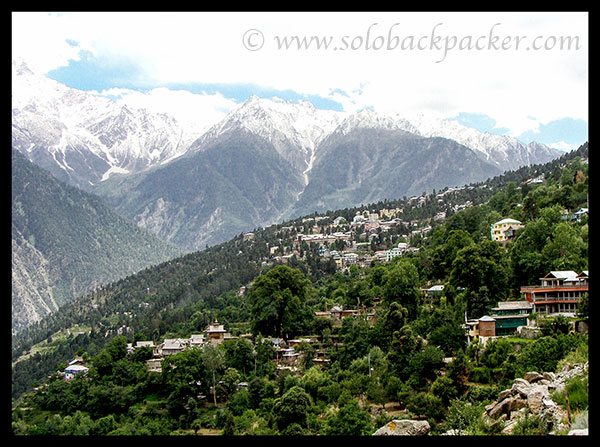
[408, 358]
[67, 242]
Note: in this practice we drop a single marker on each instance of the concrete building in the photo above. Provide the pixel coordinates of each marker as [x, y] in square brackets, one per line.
[504, 229]
[559, 292]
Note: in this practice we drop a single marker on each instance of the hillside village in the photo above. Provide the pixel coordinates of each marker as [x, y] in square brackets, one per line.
[349, 243]
[382, 351]
[558, 294]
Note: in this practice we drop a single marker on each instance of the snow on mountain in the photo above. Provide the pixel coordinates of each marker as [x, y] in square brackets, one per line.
[87, 136]
[369, 119]
[503, 151]
[295, 130]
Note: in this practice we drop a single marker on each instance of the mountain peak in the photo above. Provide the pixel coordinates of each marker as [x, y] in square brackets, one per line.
[367, 118]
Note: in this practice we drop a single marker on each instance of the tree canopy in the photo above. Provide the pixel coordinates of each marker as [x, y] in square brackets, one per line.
[278, 303]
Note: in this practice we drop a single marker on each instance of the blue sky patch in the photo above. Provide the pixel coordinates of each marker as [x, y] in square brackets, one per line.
[93, 73]
[481, 122]
[569, 130]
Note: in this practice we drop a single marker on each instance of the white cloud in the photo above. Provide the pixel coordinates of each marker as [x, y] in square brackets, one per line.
[562, 146]
[519, 88]
[192, 110]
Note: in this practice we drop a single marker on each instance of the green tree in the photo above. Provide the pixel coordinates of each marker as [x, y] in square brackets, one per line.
[393, 320]
[349, 420]
[482, 270]
[239, 354]
[292, 408]
[401, 285]
[583, 309]
[214, 359]
[464, 417]
[117, 348]
[564, 248]
[278, 303]
[444, 388]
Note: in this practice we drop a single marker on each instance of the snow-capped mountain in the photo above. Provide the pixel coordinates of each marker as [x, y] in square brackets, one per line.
[84, 138]
[265, 161]
[369, 119]
[503, 151]
[295, 130]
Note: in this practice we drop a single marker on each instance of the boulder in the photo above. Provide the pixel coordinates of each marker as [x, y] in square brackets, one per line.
[535, 399]
[550, 376]
[522, 387]
[579, 432]
[533, 376]
[507, 406]
[404, 427]
[531, 394]
[504, 394]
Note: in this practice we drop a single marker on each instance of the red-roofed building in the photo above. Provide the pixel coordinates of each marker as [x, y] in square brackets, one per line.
[559, 292]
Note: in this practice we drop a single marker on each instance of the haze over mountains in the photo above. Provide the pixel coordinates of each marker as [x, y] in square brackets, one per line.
[266, 161]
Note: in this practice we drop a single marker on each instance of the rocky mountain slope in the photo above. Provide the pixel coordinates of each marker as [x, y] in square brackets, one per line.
[325, 160]
[505, 152]
[367, 159]
[65, 242]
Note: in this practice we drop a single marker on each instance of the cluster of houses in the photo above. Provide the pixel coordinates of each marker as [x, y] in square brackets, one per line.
[214, 334]
[358, 253]
[558, 294]
[504, 230]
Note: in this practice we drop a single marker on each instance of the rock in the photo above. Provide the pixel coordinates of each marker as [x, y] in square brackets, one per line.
[509, 427]
[535, 399]
[579, 432]
[506, 406]
[453, 432]
[533, 376]
[504, 394]
[404, 427]
[531, 395]
[522, 387]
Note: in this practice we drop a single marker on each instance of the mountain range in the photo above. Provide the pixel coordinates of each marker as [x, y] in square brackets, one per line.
[83, 138]
[266, 161]
[269, 160]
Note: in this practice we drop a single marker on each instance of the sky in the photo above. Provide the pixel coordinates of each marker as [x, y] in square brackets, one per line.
[519, 74]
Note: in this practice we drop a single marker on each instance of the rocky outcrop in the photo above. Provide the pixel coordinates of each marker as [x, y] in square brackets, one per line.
[404, 427]
[531, 395]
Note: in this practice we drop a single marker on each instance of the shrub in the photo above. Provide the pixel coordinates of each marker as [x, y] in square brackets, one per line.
[577, 393]
[424, 404]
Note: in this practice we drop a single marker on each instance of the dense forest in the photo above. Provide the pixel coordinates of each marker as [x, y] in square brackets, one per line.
[411, 359]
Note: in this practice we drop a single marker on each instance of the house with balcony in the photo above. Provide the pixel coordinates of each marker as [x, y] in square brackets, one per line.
[559, 292]
[504, 230]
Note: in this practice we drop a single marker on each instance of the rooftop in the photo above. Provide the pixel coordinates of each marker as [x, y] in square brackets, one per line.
[509, 305]
[507, 221]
